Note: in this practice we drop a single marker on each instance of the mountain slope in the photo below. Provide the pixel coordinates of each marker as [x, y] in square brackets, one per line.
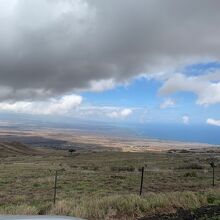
[17, 149]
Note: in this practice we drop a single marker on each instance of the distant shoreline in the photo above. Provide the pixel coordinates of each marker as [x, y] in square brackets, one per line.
[86, 141]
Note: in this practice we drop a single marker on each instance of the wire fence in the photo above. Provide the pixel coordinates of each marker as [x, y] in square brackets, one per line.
[42, 184]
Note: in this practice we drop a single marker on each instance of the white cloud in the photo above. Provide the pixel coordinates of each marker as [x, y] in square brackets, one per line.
[168, 103]
[62, 105]
[211, 121]
[206, 87]
[186, 119]
[101, 85]
[123, 113]
[126, 112]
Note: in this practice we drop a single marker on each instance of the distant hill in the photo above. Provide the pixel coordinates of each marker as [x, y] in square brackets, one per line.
[17, 149]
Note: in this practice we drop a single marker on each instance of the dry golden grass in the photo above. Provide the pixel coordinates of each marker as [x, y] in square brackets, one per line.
[120, 206]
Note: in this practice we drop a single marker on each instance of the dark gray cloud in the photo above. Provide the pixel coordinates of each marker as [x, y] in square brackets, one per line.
[51, 47]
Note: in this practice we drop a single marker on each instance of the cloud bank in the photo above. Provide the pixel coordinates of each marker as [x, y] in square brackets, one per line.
[214, 122]
[51, 47]
[59, 106]
[123, 113]
[206, 87]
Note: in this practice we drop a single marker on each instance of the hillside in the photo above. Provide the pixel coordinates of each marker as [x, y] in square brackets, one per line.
[105, 185]
[8, 149]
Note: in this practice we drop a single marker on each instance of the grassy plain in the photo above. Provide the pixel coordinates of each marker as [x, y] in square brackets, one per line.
[105, 185]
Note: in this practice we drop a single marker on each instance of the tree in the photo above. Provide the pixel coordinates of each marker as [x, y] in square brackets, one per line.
[71, 151]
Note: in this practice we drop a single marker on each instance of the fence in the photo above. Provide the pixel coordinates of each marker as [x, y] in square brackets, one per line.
[48, 179]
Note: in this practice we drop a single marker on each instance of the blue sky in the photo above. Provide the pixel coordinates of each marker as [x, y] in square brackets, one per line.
[142, 95]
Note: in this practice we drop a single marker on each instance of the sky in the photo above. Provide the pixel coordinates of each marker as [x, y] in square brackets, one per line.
[121, 61]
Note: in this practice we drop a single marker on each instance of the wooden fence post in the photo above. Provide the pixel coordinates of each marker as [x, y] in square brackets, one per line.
[212, 164]
[55, 188]
[142, 178]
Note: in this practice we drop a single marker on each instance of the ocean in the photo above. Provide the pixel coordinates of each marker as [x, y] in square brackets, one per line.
[187, 133]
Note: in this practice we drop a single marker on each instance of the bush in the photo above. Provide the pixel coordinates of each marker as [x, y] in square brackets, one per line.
[184, 151]
[190, 174]
[36, 185]
[193, 166]
[213, 198]
[123, 169]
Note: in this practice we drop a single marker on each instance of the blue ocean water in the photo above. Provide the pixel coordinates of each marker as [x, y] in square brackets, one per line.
[189, 133]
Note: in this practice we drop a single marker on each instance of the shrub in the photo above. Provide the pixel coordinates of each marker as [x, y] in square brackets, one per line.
[123, 169]
[36, 185]
[193, 166]
[184, 151]
[190, 174]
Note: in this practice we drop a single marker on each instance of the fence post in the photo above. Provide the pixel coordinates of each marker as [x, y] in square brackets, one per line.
[55, 188]
[213, 176]
[212, 164]
[142, 178]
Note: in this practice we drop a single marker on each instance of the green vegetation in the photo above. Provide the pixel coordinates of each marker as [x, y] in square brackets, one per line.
[105, 185]
[190, 174]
